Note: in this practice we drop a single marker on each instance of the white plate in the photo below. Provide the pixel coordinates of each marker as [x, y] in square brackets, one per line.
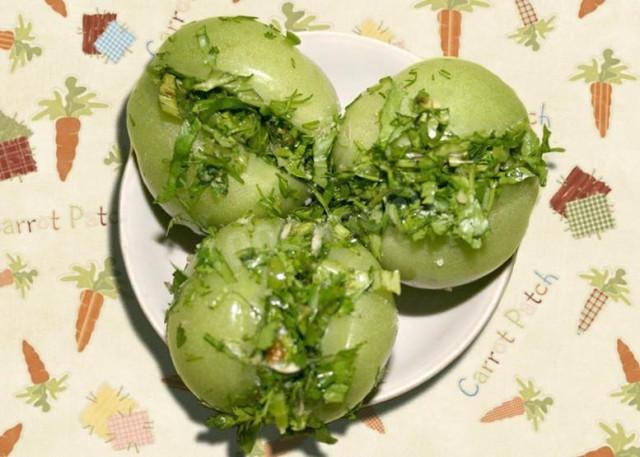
[435, 326]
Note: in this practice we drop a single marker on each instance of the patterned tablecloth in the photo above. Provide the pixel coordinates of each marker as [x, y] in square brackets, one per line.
[553, 373]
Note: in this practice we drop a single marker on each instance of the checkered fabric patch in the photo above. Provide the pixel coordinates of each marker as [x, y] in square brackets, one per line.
[114, 41]
[526, 12]
[130, 430]
[577, 185]
[16, 158]
[589, 215]
[94, 25]
[592, 307]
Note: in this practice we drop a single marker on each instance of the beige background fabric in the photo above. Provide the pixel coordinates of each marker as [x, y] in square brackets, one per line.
[54, 225]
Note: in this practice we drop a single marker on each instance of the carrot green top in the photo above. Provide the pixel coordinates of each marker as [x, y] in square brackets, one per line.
[615, 287]
[114, 158]
[535, 408]
[23, 278]
[607, 71]
[619, 440]
[78, 102]
[459, 5]
[11, 129]
[102, 282]
[22, 50]
[298, 21]
[529, 35]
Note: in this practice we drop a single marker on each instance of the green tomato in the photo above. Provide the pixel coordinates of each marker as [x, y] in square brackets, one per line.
[222, 328]
[478, 102]
[274, 71]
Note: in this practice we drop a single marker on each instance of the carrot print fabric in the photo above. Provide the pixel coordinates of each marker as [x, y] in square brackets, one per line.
[84, 373]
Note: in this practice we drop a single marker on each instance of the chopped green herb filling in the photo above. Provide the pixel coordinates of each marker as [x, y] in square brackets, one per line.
[223, 121]
[426, 181]
[304, 290]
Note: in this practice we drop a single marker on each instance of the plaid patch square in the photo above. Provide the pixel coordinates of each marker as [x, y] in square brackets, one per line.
[94, 25]
[130, 430]
[16, 158]
[589, 215]
[577, 185]
[526, 12]
[592, 307]
[106, 402]
[114, 41]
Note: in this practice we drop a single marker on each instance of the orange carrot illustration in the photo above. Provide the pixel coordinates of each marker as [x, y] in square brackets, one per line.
[9, 439]
[19, 44]
[90, 306]
[6, 277]
[7, 37]
[630, 364]
[450, 21]
[601, 76]
[604, 451]
[601, 102]
[67, 138]
[37, 370]
[526, 402]
[630, 392]
[450, 30]
[588, 7]
[604, 288]
[533, 28]
[617, 443]
[95, 286]
[43, 385]
[77, 102]
[18, 275]
[369, 418]
[58, 6]
[508, 409]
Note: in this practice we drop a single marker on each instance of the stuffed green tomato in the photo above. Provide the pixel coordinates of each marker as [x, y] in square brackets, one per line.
[438, 171]
[281, 322]
[230, 118]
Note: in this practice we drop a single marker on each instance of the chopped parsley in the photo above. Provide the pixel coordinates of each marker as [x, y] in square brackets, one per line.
[224, 121]
[425, 181]
[305, 289]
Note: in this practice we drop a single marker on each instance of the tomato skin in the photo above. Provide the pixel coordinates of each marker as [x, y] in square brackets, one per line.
[446, 262]
[242, 49]
[373, 323]
[231, 312]
[478, 101]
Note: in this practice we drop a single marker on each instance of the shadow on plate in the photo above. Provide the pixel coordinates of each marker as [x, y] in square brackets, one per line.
[181, 235]
[147, 335]
[340, 428]
[422, 302]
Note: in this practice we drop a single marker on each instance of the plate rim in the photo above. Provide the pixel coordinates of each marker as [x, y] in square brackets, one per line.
[130, 168]
[459, 347]
[363, 39]
[447, 357]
